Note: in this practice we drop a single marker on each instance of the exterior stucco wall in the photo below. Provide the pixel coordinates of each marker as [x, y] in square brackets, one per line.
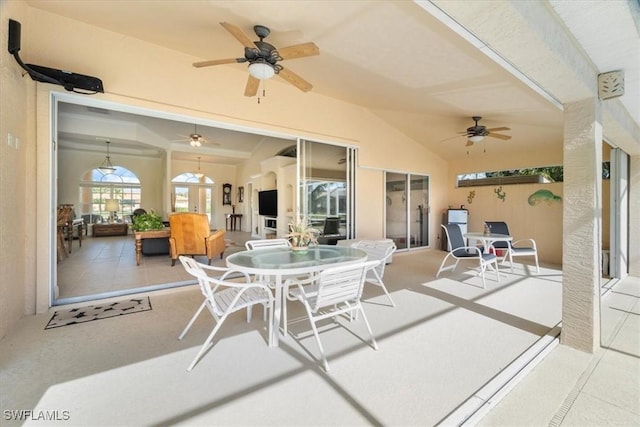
[17, 272]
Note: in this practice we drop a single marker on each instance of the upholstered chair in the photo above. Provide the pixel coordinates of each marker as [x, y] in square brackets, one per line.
[191, 235]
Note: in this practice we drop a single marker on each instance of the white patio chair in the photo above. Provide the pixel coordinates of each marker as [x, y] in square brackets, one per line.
[223, 297]
[381, 251]
[459, 251]
[224, 273]
[335, 291]
[513, 249]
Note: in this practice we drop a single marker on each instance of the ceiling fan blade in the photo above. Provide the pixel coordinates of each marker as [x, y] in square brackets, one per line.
[498, 129]
[218, 62]
[453, 137]
[299, 51]
[295, 80]
[252, 86]
[240, 35]
[499, 136]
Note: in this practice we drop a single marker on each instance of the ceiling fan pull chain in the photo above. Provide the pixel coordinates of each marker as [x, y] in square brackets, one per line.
[264, 91]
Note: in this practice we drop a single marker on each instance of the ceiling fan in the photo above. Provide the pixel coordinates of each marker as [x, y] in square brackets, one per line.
[264, 58]
[195, 139]
[477, 133]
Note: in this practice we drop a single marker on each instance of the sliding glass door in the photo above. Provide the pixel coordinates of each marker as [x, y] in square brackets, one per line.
[326, 177]
[407, 209]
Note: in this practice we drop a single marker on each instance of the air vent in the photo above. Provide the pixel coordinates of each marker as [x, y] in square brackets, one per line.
[611, 84]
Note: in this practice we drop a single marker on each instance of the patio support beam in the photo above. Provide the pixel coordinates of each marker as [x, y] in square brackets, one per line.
[582, 225]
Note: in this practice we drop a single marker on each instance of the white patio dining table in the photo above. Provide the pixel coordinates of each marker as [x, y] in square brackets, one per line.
[279, 262]
[487, 239]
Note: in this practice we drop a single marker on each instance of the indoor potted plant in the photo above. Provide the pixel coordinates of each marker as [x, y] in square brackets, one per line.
[147, 222]
[302, 234]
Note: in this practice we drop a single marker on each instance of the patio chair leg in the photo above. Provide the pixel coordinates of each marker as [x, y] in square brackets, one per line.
[325, 363]
[511, 260]
[384, 288]
[366, 322]
[206, 344]
[193, 319]
[284, 312]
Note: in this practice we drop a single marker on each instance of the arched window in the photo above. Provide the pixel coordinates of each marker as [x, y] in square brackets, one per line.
[193, 177]
[192, 193]
[97, 187]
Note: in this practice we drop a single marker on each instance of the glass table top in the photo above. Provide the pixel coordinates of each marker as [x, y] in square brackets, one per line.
[286, 258]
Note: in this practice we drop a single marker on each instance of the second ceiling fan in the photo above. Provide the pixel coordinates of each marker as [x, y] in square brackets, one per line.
[264, 58]
[477, 133]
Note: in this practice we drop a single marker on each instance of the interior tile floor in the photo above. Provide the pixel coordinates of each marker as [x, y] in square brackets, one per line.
[443, 343]
[106, 265]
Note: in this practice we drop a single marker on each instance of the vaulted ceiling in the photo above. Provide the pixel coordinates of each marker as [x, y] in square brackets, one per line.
[394, 58]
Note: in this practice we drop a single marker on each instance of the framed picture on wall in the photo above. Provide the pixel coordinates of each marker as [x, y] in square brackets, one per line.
[240, 194]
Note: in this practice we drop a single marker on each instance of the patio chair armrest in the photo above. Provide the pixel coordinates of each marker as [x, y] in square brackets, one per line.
[242, 285]
[213, 268]
[473, 249]
[226, 272]
[532, 243]
[235, 274]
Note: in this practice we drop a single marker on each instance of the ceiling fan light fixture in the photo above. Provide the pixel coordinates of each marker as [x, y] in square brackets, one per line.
[262, 70]
[476, 138]
[106, 167]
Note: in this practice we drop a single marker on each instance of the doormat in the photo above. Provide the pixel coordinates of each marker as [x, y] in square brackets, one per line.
[96, 312]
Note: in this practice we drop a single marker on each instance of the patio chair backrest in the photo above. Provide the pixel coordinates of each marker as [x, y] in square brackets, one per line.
[331, 226]
[455, 239]
[340, 284]
[377, 250]
[267, 243]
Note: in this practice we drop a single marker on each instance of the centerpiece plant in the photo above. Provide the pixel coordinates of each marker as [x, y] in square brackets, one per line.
[302, 234]
[147, 222]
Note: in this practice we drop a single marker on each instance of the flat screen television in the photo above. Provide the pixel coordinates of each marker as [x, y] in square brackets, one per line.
[268, 203]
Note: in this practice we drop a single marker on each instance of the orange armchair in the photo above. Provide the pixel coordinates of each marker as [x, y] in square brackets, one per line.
[190, 235]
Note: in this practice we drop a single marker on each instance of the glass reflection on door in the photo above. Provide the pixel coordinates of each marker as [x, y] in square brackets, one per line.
[407, 209]
[418, 210]
[396, 208]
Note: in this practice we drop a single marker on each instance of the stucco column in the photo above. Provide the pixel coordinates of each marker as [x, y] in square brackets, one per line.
[582, 224]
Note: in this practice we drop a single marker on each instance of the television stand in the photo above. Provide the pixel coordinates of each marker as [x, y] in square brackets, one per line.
[269, 227]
